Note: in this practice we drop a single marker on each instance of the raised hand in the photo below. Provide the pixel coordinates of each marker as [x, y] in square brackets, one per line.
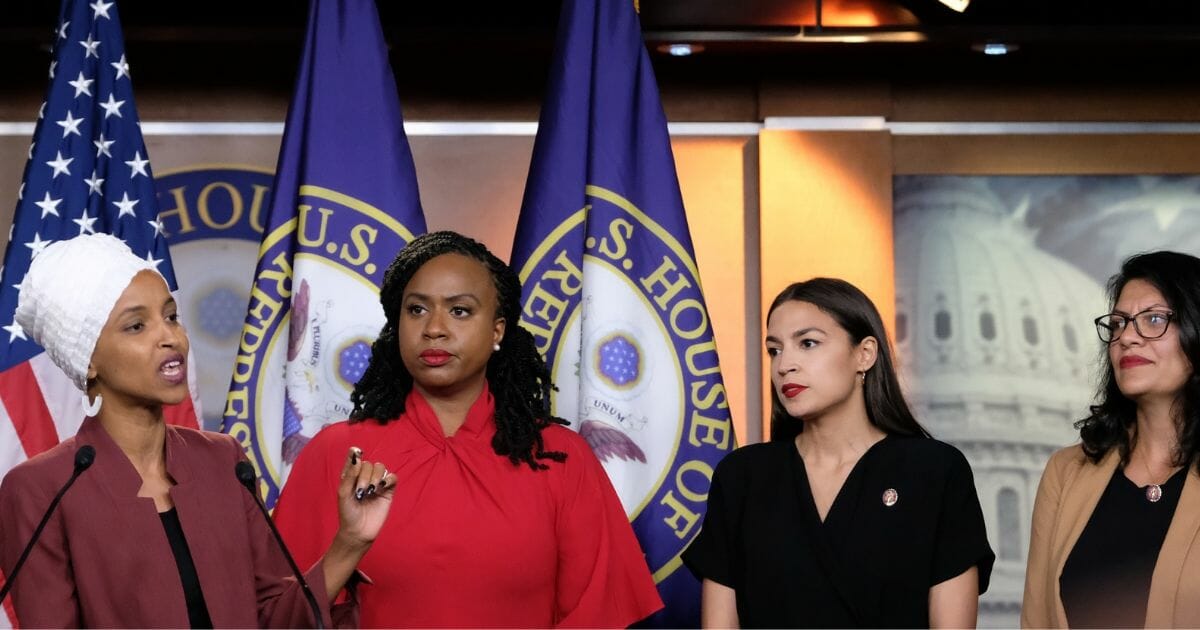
[364, 498]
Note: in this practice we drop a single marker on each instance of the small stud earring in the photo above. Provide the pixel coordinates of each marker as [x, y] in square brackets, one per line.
[496, 347]
[862, 377]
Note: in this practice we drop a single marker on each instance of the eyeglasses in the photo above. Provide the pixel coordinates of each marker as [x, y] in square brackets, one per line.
[1149, 324]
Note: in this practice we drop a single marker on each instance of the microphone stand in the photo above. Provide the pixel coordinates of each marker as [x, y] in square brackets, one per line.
[83, 459]
[246, 476]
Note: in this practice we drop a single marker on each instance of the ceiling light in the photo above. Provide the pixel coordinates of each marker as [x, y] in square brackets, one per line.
[995, 48]
[680, 50]
[957, 5]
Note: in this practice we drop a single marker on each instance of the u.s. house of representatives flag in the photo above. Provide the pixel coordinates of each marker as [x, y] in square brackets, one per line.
[611, 291]
[344, 203]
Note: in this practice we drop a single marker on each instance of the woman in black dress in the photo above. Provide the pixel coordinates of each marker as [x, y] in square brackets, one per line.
[851, 516]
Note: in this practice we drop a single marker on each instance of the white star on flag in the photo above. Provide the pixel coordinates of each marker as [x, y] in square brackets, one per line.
[112, 107]
[14, 331]
[85, 223]
[37, 244]
[125, 205]
[121, 66]
[100, 9]
[102, 146]
[82, 85]
[42, 111]
[159, 228]
[138, 165]
[152, 260]
[52, 64]
[59, 164]
[20, 196]
[48, 205]
[62, 30]
[91, 45]
[71, 125]
[94, 183]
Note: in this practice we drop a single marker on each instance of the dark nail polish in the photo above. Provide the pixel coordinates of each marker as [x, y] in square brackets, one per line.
[358, 494]
[382, 483]
[353, 458]
[371, 489]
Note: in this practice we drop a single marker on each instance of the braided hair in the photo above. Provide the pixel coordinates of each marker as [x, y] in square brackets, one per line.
[517, 375]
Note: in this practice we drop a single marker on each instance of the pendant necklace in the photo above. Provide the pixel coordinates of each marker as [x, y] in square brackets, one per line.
[1153, 491]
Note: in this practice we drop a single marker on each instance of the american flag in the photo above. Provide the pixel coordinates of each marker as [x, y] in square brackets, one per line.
[88, 172]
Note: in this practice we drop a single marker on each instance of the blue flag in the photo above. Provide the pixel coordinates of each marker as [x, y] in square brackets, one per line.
[87, 172]
[612, 294]
[344, 202]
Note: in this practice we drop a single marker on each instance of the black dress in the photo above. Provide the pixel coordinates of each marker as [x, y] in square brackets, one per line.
[868, 564]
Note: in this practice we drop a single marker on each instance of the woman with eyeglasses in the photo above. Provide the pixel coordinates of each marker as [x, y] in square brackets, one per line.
[1116, 524]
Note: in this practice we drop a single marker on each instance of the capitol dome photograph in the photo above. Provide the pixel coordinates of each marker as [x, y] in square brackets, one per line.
[998, 280]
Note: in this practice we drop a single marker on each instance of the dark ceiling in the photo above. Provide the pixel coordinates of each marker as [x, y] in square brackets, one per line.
[506, 45]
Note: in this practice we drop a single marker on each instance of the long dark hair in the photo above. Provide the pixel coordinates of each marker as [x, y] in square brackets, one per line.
[517, 375]
[854, 312]
[1112, 422]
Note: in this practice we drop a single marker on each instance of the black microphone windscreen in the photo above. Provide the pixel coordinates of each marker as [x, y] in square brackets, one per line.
[84, 457]
[245, 474]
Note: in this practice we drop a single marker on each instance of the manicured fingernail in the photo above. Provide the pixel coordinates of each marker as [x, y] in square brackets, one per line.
[382, 483]
[371, 489]
[354, 454]
[358, 494]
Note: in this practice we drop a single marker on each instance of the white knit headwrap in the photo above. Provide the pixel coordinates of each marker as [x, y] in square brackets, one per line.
[68, 294]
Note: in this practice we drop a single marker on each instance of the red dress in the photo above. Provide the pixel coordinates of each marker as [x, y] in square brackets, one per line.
[471, 539]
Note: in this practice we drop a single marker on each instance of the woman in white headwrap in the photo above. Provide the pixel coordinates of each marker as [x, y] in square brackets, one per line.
[158, 532]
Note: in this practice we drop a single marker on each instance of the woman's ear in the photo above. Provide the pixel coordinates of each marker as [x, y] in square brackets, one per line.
[868, 353]
[498, 330]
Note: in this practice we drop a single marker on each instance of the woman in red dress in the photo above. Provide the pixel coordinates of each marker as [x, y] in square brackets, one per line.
[502, 517]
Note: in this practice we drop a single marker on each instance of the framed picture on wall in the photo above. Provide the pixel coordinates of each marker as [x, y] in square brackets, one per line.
[1003, 248]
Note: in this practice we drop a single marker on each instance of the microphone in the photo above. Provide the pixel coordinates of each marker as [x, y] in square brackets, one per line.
[83, 459]
[245, 475]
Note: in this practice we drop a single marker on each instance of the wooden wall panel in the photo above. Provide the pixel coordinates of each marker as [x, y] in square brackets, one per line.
[826, 210]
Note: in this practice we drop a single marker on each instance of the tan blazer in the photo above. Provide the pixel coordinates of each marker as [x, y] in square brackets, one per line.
[1070, 489]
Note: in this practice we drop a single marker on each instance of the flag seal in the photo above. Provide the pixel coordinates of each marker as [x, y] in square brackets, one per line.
[622, 322]
[315, 271]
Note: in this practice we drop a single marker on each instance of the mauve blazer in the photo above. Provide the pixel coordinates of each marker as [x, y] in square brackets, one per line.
[104, 560]
[1069, 491]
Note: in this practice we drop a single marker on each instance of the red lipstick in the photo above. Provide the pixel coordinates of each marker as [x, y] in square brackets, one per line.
[434, 357]
[1133, 360]
[791, 390]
